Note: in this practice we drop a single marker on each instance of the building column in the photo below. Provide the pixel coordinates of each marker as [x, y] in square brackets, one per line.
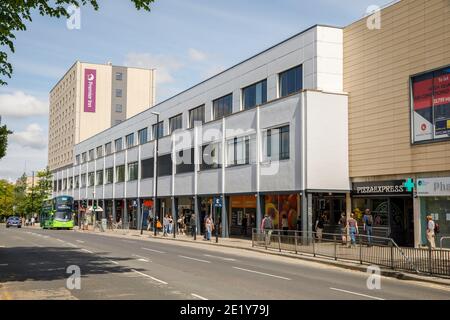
[197, 204]
[304, 208]
[224, 217]
[104, 213]
[175, 214]
[125, 212]
[348, 210]
[259, 210]
[114, 210]
[139, 214]
[417, 222]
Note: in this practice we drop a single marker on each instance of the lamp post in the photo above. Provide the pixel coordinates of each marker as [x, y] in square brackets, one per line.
[157, 114]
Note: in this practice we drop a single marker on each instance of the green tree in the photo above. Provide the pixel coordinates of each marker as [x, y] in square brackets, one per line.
[20, 195]
[15, 13]
[6, 198]
[4, 132]
[41, 191]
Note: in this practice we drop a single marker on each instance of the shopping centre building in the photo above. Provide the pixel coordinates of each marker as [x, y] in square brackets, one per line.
[328, 121]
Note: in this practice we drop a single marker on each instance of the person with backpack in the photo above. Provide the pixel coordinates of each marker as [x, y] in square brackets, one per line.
[343, 226]
[431, 228]
[266, 228]
[368, 225]
[320, 225]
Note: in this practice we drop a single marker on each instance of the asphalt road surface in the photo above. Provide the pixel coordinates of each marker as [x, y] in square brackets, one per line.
[34, 262]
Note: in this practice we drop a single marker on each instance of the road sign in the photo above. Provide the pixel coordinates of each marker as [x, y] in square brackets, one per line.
[217, 202]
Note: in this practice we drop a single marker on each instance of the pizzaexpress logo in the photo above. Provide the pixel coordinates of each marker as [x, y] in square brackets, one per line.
[381, 189]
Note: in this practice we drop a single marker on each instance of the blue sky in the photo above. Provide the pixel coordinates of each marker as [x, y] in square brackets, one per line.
[185, 40]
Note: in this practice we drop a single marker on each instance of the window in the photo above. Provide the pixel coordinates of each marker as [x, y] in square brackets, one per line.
[108, 148]
[83, 180]
[175, 123]
[77, 182]
[254, 95]
[59, 184]
[143, 136]
[109, 175]
[64, 186]
[118, 145]
[185, 161]
[119, 76]
[77, 159]
[158, 130]
[55, 185]
[196, 115]
[147, 168]
[291, 81]
[91, 155]
[210, 157]
[100, 177]
[119, 108]
[99, 151]
[133, 171]
[91, 179]
[223, 106]
[238, 151]
[83, 157]
[165, 165]
[130, 140]
[277, 143]
[70, 183]
[120, 173]
[118, 93]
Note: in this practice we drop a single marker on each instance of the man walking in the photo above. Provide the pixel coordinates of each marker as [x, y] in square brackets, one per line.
[193, 225]
[352, 225]
[266, 228]
[368, 223]
[208, 228]
[430, 232]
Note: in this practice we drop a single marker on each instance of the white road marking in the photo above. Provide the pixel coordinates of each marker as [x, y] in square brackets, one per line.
[146, 275]
[2, 247]
[197, 296]
[115, 262]
[80, 241]
[226, 259]
[72, 245]
[143, 260]
[262, 273]
[86, 250]
[60, 240]
[152, 250]
[357, 294]
[3, 264]
[200, 260]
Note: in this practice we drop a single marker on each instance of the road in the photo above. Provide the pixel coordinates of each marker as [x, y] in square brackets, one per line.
[33, 265]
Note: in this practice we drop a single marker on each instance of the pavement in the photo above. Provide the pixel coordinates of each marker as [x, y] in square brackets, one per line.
[122, 265]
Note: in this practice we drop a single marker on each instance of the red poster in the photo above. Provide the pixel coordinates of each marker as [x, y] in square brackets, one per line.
[442, 90]
[423, 94]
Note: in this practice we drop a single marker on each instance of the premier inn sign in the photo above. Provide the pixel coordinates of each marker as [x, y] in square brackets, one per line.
[382, 188]
[433, 187]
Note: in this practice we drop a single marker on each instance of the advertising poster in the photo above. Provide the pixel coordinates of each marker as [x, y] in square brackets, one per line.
[276, 206]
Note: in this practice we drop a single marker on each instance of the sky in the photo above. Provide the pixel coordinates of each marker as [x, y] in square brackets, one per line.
[186, 41]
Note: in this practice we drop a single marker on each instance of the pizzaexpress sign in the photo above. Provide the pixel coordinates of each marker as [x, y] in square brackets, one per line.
[381, 187]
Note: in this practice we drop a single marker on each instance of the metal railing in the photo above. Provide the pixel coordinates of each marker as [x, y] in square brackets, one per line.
[363, 249]
[442, 240]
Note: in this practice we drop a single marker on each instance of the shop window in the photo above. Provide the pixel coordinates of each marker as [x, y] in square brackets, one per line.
[280, 207]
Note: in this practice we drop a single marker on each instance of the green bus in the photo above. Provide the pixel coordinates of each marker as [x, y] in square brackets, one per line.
[57, 213]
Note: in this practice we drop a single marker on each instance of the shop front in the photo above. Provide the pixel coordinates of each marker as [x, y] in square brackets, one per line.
[391, 204]
[284, 209]
[331, 206]
[434, 197]
[243, 215]
[185, 209]
[132, 214]
[119, 206]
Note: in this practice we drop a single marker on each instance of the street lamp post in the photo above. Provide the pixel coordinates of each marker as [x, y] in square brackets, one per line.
[157, 114]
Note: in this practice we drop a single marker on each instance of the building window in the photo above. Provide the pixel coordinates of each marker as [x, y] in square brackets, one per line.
[55, 185]
[238, 151]
[143, 136]
[133, 171]
[291, 81]
[99, 151]
[64, 186]
[91, 155]
[119, 108]
[118, 145]
[277, 143]
[175, 123]
[83, 157]
[147, 168]
[77, 159]
[196, 115]
[109, 175]
[165, 165]
[254, 95]
[119, 76]
[185, 161]
[223, 106]
[77, 182]
[158, 130]
[91, 179]
[210, 157]
[83, 180]
[108, 148]
[70, 183]
[100, 177]
[118, 93]
[120, 173]
[130, 140]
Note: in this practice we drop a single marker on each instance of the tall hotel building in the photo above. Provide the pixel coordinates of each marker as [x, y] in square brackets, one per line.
[90, 98]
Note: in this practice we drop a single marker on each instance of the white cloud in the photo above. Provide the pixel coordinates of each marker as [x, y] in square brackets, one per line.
[19, 104]
[197, 55]
[165, 65]
[33, 137]
[212, 71]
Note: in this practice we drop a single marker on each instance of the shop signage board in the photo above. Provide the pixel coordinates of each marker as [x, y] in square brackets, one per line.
[218, 202]
[383, 187]
[433, 187]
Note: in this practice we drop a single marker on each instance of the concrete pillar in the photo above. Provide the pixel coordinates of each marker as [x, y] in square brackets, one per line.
[114, 210]
[139, 214]
[259, 210]
[417, 223]
[175, 214]
[125, 212]
[225, 229]
[348, 209]
[310, 216]
[304, 208]
[197, 202]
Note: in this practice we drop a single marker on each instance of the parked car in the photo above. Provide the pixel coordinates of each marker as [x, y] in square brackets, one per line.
[14, 222]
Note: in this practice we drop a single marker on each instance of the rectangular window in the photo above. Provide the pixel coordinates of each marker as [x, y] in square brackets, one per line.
[254, 95]
[223, 106]
[77, 159]
[99, 151]
[185, 161]
[196, 115]
[64, 186]
[77, 182]
[91, 179]
[83, 157]
[70, 183]
[108, 148]
[55, 185]
[118, 145]
[158, 130]
[238, 151]
[118, 93]
[100, 177]
[59, 184]
[147, 168]
[133, 171]
[165, 165]
[210, 157]
[176, 123]
[109, 175]
[119, 108]
[291, 81]
[119, 76]
[143, 136]
[120, 173]
[130, 140]
[277, 143]
[83, 180]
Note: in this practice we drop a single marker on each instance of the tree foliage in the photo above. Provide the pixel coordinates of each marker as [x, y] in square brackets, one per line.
[15, 13]
[4, 133]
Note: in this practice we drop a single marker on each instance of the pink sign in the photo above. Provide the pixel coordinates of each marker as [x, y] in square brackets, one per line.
[90, 84]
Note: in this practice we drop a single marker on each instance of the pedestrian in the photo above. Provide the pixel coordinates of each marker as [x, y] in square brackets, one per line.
[149, 221]
[430, 232]
[299, 223]
[352, 226]
[343, 226]
[193, 225]
[32, 221]
[320, 225]
[285, 224]
[244, 225]
[165, 225]
[266, 228]
[368, 225]
[180, 224]
[208, 227]
[157, 225]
